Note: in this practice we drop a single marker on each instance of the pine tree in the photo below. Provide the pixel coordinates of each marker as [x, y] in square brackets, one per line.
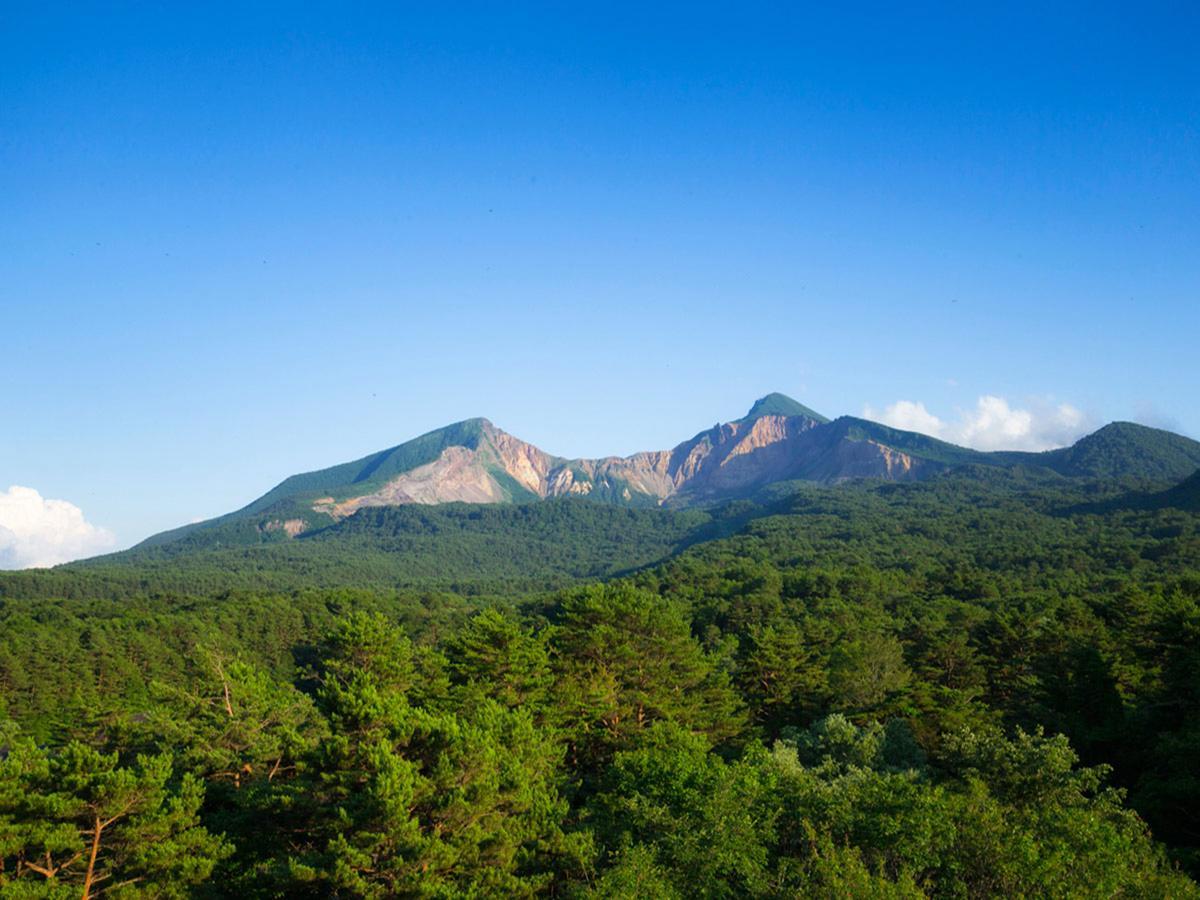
[77, 822]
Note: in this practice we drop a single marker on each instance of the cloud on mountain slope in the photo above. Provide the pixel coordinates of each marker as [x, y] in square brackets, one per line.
[993, 424]
[37, 532]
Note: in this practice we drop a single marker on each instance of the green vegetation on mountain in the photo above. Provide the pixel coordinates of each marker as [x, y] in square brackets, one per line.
[1122, 450]
[467, 548]
[361, 475]
[372, 471]
[910, 442]
[781, 405]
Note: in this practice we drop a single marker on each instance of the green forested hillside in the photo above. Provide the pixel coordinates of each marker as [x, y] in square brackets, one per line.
[467, 548]
[1120, 450]
[983, 685]
[998, 520]
[1123, 449]
[917, 445]
[296, 493]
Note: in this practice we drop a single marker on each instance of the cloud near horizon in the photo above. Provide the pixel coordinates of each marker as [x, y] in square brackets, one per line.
[36, 532]
[994, 424]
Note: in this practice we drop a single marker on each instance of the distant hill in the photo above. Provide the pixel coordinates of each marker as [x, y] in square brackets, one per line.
[779, 440]
[1123, 450]
[470, 549]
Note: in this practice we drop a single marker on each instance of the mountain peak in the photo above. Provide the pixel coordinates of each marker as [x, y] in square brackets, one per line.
[1126, 448]
[777, 404]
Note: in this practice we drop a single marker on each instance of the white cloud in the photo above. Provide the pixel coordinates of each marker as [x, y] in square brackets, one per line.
[909, 416]
[36, 532]
[994, 424]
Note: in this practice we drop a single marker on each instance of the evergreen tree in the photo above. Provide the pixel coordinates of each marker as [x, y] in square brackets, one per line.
[75, 822]
[411, 801]
[628, 659]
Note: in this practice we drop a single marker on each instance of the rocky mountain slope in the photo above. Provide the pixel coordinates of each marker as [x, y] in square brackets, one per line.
[777, 440]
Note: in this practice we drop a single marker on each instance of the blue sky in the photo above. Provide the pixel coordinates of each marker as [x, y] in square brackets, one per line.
[240, 244]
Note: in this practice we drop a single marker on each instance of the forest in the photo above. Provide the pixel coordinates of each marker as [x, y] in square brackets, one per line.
[983, 685]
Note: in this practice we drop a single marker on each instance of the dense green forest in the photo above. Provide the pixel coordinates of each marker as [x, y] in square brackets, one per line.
[468, 549]
[987, 684]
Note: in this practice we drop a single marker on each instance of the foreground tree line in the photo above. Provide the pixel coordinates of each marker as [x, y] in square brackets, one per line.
[984, 685]
[618, 743]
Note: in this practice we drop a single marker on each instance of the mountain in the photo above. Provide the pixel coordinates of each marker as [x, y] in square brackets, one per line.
[1123, 449]
[476, 462]
[778, 440]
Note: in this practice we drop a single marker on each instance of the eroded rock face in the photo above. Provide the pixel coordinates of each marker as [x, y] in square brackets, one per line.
[847, 460]
[291, 527]
[727, 459]
[456, 475]
[528, 466]
[743, 454]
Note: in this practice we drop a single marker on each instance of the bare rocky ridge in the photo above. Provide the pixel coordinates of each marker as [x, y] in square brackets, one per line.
[727, 459]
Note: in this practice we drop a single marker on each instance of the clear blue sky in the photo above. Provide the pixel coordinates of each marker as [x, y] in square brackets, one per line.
[236, 245]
